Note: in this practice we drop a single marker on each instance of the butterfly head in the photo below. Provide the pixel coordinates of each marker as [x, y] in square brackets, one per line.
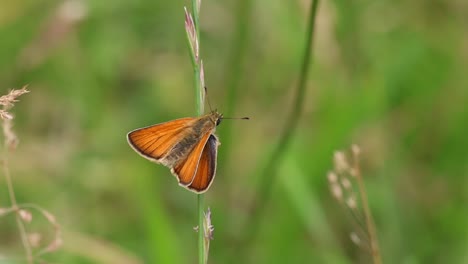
[216, 117]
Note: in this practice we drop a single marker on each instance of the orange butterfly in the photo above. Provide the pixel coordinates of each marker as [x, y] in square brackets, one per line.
[188, 146]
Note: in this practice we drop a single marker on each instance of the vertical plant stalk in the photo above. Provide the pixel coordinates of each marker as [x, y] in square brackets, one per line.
[193, 37]
[235, 65]
[202, 258]
[268, 176]
[10, 143]
[198, 78]
[14, 205]
[374, 244]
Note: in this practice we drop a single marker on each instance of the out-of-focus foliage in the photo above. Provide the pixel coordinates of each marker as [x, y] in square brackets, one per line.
[390, 76]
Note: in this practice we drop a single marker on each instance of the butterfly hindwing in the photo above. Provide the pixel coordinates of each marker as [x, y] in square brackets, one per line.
[206, 166]
[185, 170]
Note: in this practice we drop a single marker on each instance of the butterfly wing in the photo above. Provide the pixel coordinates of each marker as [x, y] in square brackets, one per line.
[206, 166]
[186, 168]
[154, 142]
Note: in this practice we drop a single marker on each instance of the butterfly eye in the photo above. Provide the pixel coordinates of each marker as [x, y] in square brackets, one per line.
[218, 121]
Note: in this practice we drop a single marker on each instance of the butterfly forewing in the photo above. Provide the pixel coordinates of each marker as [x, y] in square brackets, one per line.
[154, 142]
[206, 166]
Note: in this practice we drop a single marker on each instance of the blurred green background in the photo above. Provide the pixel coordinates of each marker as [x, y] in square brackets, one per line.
[390, 76]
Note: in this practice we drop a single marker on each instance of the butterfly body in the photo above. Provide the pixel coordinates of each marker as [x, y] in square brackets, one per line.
[190, 136]
[188, 146]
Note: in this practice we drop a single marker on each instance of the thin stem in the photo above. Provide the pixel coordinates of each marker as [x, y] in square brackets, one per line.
[14, 205]
[199, 104]
[269, 173]
[197, 78]
[233, 77]
[357, 219]
[8, 210]
[235, 65]
[367, 213]
[202, 259]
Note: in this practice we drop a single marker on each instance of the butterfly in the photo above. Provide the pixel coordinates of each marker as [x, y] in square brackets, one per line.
[187, 146]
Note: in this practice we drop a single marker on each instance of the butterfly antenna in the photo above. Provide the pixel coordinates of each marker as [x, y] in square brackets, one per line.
[208, 99]
[242, 118]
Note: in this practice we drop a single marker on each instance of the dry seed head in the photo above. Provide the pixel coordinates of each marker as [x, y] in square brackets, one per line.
[356, 150]
[11, 140]
[341, 163]
[25, 215]
[57, 242]
[351, 202]
[208, 227]
[332, 177]
[192, 34]
[355, 238]
[34, 239]
[9, 99]
[346, 183]
[50, 217]
[336, 191]
[5, 115]
[72, 11]
[54, 245]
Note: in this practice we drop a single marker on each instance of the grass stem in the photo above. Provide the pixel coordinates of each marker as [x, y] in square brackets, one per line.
[193, 37]
[374, 244]
[268, 176]
[14, 205]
